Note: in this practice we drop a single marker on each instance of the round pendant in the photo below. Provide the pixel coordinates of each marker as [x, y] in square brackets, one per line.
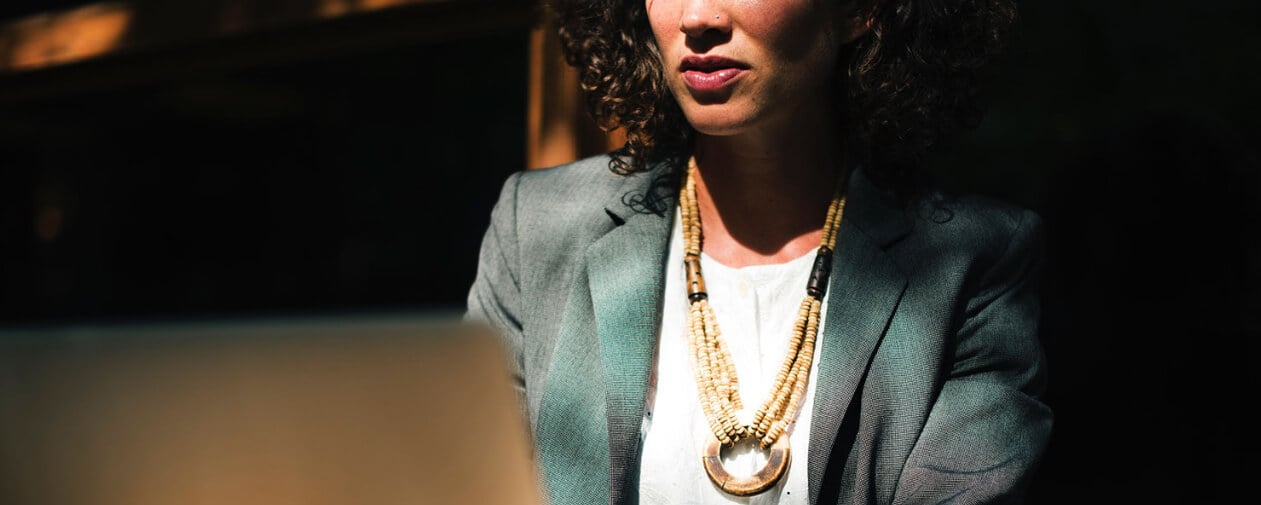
[776, 466]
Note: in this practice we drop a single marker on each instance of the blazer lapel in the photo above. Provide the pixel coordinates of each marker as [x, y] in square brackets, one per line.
[593, 407]
[864, 290]
[572, 435]
[627, 276]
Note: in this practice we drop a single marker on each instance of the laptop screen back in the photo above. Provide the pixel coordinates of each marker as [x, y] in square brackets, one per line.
[377, 410]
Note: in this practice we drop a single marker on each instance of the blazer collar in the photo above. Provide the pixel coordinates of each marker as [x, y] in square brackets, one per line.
[875, 211]
[880, 216]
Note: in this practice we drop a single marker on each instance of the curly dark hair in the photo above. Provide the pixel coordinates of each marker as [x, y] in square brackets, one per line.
[910, 81]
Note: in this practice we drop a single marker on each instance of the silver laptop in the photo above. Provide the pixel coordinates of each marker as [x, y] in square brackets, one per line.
[371, 410]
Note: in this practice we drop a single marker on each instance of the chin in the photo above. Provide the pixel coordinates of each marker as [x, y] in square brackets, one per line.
[714, 121]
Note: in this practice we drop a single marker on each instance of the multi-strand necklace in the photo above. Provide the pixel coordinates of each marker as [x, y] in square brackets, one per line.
[715, 370]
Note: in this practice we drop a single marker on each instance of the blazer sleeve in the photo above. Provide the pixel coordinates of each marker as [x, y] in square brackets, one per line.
[495, 298]
[987, 428]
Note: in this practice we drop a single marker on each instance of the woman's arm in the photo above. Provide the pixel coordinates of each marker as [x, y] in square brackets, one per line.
[495, 297]
[987, 428]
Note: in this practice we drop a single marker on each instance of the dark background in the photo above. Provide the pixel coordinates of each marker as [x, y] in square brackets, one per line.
[340, 181]
[1132, 127]
[261, 173]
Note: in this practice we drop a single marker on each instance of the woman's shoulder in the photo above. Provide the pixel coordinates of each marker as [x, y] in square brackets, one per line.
[571, 189]
[969, 218]
[579, 177]
[936, 220]
[565, 206]
[971, 230]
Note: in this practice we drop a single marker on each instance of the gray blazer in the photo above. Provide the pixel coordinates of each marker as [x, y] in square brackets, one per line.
[930, 367]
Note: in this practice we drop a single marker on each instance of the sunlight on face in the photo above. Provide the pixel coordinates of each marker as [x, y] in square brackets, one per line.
[740, 64]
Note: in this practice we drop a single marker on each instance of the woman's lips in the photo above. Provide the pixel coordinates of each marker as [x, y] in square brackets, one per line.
[713, 80]
[710, 73]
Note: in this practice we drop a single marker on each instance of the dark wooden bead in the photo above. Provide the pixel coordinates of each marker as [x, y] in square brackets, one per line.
[819, 275]
[775, 468]
[695, 282]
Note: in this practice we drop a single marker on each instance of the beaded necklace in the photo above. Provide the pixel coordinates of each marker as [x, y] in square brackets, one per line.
[715, 370]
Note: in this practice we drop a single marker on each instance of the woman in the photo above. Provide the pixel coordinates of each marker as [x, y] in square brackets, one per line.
[683, 329]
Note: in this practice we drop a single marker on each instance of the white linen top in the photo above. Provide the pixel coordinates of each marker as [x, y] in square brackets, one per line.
[755, 308]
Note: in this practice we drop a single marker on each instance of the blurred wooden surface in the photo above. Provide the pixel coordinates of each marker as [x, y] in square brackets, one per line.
[560, 129]
[104, 28]
[112, 45]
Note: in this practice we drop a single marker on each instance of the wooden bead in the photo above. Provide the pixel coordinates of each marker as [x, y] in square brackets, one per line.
[820, 273]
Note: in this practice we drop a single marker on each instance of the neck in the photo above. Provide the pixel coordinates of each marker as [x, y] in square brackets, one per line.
[763, 197]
